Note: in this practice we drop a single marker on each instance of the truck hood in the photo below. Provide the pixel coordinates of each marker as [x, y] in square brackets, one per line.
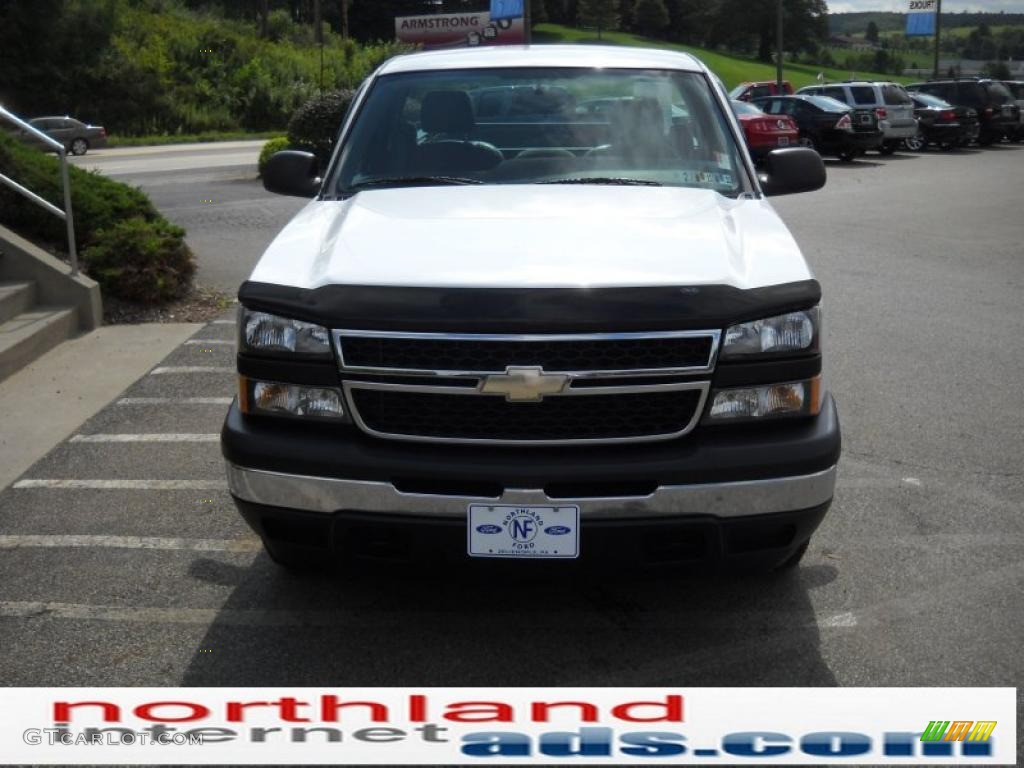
[552, 236]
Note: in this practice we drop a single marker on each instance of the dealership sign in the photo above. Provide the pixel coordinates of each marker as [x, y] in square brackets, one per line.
[456, 30]
[921, 20]
[488, 726]
[506, 9]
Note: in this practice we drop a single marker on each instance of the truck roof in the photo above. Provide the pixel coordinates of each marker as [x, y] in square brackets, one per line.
[543, 56]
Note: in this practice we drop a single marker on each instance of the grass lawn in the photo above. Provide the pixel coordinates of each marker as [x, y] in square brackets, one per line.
[158, 140]
[732, 69]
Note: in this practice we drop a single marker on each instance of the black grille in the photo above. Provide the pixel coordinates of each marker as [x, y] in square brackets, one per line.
[483, 417]
[495, 356]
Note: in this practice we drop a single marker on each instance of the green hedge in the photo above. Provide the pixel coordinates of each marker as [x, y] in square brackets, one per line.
[316, 123]
[126, 245]
[141, 261]
[272, 146]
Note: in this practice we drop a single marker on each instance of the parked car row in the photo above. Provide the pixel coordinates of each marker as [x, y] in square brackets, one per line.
[848, 119]
[822, 124]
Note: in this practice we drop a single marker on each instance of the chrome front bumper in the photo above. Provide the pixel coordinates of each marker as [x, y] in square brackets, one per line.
[721, 500]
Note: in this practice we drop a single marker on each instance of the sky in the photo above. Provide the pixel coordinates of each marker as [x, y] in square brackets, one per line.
[948, 6]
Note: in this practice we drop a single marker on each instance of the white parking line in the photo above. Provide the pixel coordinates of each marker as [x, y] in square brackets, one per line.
[210, 342]
[198, 616]
[174, 401]
[124, 485]
[129, 542]
[223, 322]
[164, 369]
[25, 610]
[147, 438]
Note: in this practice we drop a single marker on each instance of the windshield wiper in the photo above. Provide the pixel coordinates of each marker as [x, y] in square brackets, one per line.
[609, 180]
[398, 181]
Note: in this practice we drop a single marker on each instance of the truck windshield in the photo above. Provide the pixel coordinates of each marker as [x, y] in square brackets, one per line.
[540, 126]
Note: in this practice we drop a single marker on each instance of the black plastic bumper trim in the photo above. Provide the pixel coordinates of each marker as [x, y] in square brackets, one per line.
[719, 454]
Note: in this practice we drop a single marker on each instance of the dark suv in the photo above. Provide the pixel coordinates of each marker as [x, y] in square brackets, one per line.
[997, 111]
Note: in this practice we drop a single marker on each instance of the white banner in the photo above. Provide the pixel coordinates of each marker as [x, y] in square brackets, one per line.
[467, 726]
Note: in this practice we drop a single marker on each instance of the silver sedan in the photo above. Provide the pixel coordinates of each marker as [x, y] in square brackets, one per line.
[77, 137]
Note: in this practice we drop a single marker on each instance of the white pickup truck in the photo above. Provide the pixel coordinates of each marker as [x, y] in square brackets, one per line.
[538, 308]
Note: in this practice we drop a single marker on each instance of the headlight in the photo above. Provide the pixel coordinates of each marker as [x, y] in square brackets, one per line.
[792, 332]
[263, 333]
[268, 397]
[797, 398]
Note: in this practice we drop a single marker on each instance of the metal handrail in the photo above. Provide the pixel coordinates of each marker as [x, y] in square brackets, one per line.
[66, 215]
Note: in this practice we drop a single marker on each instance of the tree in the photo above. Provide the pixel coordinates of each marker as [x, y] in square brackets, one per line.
[651, 17]
[626, 13]
[689, 20]
[872, 34]
[601, 14]
[998, 70]
[745, 25]
[538, 11]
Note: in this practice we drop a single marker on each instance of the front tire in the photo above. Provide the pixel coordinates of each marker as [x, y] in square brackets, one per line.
[888, 148]
[793, 561]
[294, 559]
[79, 147]
[848, 155]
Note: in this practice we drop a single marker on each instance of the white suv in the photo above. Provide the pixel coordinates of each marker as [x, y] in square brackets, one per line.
[891, 103]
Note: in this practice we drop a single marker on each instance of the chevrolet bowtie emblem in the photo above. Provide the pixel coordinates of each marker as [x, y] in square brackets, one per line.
[524, 385]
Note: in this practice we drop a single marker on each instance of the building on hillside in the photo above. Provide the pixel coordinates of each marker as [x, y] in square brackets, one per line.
[851, 43]
[965, 68]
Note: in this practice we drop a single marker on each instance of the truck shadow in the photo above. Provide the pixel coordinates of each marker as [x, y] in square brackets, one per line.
[477, 628]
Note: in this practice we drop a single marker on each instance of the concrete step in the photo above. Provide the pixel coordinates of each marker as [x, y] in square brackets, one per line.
[16, 298]
[28, 335]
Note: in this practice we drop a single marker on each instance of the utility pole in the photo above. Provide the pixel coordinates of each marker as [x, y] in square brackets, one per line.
[938, 36]
[344, 19]
[527, 34]
[778, 45]
[320, 39]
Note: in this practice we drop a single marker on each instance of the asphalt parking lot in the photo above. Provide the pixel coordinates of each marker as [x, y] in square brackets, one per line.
[124, 562]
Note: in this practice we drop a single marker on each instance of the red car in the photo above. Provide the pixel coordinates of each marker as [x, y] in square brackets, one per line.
[758, 90]
[765, 132]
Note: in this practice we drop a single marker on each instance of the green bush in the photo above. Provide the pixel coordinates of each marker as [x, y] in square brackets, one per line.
[141, 261]
[315, 125]
[126, 246]
[272, 146]
[98, 202]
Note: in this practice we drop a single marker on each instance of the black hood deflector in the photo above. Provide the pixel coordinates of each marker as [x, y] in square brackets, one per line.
[528, 310]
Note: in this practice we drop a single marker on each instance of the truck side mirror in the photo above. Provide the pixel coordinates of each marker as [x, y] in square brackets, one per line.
[789, 171]
[292, 173]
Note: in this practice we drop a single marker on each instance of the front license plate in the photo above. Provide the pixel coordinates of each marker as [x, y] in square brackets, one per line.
[543, 533]
[783, 141]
